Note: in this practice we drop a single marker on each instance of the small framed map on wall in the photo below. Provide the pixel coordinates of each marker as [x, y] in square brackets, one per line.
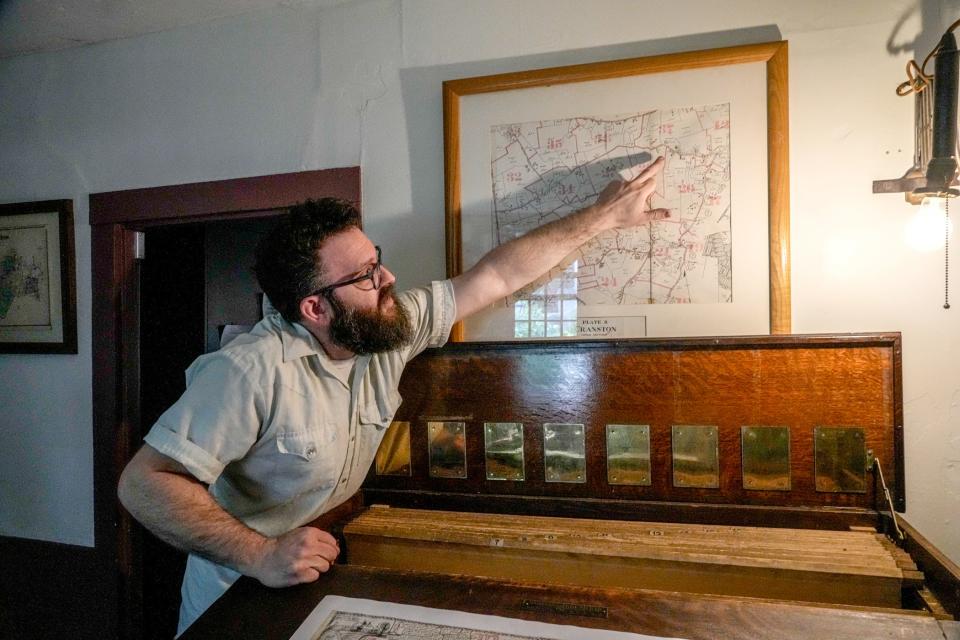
[525, 148]
[37, 281]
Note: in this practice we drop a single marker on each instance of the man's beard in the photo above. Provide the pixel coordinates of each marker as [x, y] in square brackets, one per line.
[364, 331]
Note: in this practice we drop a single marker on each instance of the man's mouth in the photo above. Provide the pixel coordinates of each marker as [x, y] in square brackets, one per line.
[386, 298]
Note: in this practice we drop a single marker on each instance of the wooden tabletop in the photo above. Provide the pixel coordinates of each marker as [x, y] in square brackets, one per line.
[250, 610]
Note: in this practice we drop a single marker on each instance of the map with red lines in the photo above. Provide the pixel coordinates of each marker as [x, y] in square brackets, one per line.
[544, 170]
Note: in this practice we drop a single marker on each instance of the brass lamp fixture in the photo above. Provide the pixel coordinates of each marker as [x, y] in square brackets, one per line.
[935, 126]
[934, 170]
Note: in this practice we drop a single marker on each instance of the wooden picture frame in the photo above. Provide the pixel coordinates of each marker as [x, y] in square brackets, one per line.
[38, 310]
[769, 62]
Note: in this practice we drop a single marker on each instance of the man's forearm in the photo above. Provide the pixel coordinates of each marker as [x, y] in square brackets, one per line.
[519, 262]
[159, 492]
[179, 510]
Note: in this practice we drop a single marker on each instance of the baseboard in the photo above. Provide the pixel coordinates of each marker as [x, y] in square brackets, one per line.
[52, 590]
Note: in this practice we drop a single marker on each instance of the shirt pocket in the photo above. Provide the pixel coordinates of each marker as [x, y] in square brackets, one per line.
[379, 412]
[307, 460]
[375, 417]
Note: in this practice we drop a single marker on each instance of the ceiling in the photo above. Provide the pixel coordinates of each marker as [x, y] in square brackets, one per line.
[31, 26]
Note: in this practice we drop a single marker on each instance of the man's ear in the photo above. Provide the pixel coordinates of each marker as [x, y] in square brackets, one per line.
[316, 310]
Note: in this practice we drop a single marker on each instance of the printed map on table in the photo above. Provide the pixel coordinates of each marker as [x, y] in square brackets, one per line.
[344, 618]
[356, 626]
[544, 170]
[24, 277]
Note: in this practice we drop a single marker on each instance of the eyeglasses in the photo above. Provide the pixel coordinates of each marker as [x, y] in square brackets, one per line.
[373, 274]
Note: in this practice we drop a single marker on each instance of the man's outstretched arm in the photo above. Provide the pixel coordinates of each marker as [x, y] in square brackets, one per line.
[160, 493]
[519, 262]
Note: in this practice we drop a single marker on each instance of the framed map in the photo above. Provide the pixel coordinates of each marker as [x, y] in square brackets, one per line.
[523, 149]
[37, 283]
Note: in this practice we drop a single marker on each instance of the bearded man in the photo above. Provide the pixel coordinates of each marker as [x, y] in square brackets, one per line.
[281, 425]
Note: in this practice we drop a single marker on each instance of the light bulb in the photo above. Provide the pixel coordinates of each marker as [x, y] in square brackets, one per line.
[924, 230]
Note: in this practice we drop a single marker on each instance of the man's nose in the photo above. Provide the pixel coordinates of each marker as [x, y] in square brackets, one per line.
[387, 276]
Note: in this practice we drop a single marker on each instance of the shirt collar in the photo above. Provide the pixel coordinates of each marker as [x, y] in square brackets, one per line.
[298, 342]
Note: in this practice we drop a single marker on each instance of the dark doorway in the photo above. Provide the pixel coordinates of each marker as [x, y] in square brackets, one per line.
[171, 336]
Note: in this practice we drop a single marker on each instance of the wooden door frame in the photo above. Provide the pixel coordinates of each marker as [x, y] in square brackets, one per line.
[114, 217]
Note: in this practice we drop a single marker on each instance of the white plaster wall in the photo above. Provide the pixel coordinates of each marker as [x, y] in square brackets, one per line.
[306, 88]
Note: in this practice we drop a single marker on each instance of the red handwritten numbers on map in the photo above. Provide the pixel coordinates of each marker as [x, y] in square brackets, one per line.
[721, 124]
[554, 143]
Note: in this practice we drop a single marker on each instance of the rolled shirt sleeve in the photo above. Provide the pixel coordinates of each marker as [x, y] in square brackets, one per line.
[215, 421]
[432, 312]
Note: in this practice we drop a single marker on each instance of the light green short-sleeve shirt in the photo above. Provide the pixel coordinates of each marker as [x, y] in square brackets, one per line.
[280, 432]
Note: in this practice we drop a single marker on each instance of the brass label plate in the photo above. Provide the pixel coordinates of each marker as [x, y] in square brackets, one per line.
[628, 454]
[564, 452]
[765, 458]
[503, 450]
[840, 459]
[696, 456]
[448, 451]
[393, 456]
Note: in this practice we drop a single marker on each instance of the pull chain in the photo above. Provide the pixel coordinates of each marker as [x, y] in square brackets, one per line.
[946, 254]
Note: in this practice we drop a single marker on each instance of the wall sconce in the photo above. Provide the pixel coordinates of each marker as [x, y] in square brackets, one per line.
[934, 170]
[935, 126]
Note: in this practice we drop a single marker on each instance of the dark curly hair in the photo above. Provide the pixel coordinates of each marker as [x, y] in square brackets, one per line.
[287, 264]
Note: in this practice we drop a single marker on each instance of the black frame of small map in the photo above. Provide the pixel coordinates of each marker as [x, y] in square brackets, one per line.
[522, 149]
[38, 309]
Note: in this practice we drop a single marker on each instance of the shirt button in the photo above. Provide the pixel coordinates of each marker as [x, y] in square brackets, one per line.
[312, 451]
[344, 481]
